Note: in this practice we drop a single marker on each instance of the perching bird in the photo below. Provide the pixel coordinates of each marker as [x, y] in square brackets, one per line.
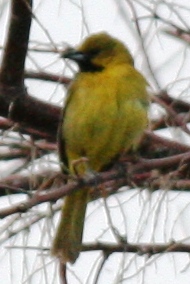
[105, 115]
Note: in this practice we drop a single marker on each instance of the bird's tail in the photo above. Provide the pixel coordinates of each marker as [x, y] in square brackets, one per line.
[68, 239]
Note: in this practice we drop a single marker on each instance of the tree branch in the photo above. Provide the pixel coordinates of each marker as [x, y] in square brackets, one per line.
[140, 249]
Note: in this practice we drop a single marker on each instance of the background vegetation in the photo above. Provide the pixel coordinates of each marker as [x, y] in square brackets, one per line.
[134, 232]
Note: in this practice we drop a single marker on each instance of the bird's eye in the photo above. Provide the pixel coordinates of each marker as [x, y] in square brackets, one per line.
[94, 52]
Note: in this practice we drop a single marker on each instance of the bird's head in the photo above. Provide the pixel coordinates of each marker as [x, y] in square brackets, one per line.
[97, 52]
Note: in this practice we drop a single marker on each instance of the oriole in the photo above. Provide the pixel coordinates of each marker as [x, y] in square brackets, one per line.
[104, 115]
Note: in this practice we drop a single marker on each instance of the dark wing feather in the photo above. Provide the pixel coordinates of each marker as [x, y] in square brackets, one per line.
[61, 146]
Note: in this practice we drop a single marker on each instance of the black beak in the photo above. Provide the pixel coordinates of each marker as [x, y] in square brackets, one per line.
[74, 55]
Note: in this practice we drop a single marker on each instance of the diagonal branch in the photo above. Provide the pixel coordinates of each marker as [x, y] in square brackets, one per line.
[15, 103]
[133, 175]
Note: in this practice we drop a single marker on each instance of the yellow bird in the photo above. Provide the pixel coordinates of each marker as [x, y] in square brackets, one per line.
[105, 115]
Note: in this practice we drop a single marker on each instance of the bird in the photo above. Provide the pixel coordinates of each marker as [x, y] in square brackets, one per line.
[104, 116]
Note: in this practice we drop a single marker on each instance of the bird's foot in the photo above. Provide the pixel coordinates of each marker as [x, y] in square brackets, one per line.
[80, 166]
